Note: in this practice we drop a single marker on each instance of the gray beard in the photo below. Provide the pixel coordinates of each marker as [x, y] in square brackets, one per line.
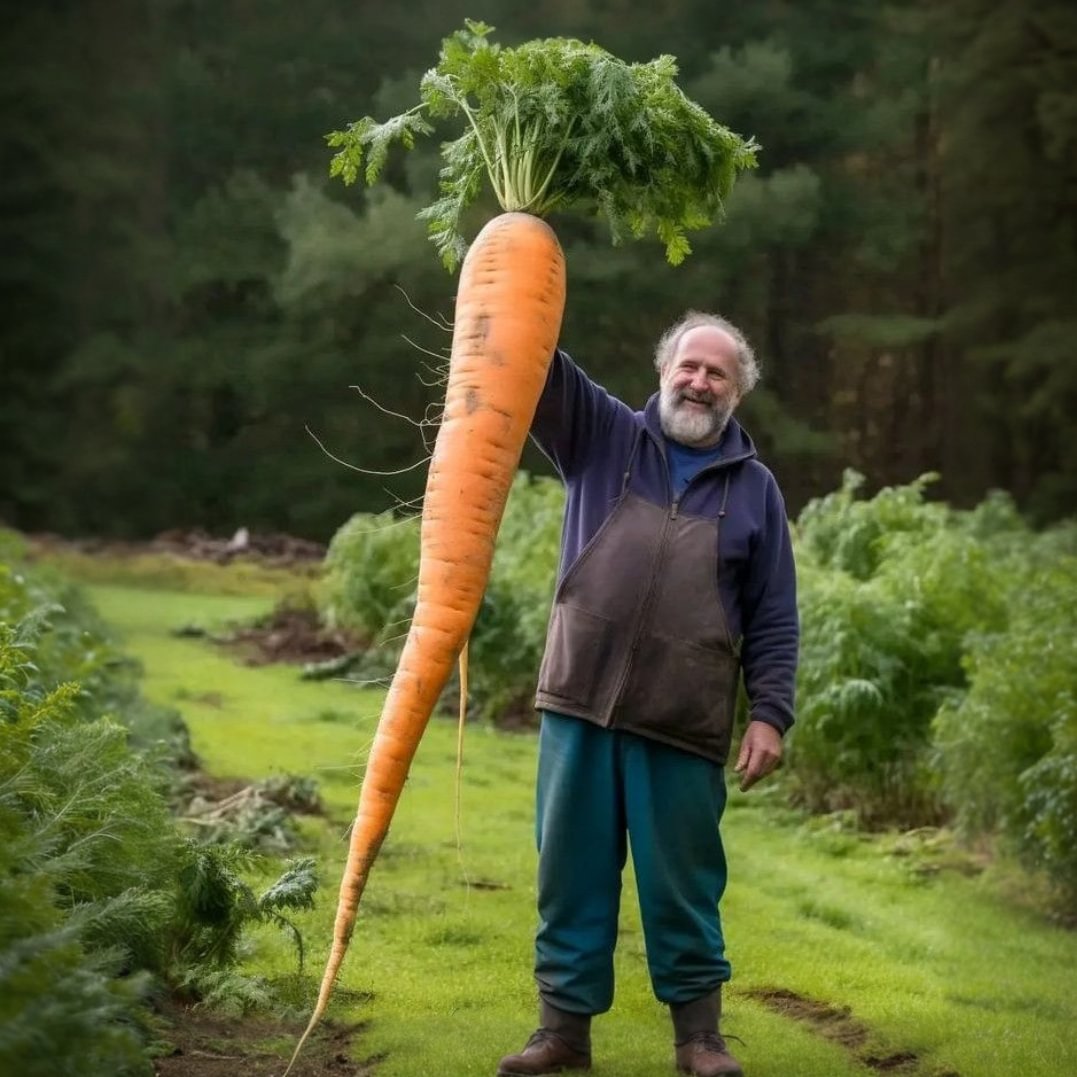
[687, 426]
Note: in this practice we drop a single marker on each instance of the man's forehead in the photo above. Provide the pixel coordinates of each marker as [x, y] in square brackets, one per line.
[706, 341]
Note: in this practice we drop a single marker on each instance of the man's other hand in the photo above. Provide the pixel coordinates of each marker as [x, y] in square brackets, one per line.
[760, 753]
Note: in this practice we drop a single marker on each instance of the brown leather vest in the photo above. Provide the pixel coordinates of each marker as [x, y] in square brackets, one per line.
[638, 639]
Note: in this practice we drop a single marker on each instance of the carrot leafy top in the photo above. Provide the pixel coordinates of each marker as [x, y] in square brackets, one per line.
[554, 124]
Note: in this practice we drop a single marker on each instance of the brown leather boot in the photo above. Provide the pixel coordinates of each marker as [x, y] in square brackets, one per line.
[563, 1042]
[700, 1050]
[705, 1055]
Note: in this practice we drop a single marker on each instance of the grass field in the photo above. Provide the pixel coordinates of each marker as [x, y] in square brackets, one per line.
[850, 955]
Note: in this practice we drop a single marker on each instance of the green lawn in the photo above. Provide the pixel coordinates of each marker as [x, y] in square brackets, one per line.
[940, 967]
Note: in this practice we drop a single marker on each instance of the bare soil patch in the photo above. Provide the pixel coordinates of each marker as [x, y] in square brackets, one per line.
[836, 1023]
[208, 1045]
[271, 548]
[293, 635]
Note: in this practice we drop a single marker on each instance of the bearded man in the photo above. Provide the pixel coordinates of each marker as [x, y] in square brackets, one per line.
[676, 579]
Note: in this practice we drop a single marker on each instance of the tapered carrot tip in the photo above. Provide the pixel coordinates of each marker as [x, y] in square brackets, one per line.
[509, 303]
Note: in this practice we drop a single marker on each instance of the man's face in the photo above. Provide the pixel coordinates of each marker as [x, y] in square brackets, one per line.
[698, 388]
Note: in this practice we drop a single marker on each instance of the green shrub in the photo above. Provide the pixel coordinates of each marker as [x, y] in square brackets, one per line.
[216, 906]
[1048, 839]
[369, 577]
[843, 532]
[1007, 750]
[852, 745]
[939, 670]
[13, 547]
[63, 1012]
[890, 590]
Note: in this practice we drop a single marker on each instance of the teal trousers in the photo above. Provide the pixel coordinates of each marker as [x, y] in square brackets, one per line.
[600, 793]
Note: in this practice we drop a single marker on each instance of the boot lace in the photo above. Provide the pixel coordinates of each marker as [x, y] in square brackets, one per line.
[712, 1041]
[546, 1035]
[539, 1037]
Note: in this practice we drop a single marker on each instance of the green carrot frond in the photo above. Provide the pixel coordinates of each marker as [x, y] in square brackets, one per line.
[557, 123]
[365, 138]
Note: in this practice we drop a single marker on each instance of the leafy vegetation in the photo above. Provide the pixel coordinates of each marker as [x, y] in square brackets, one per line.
[891, 587]
[554, 124]
[102, 899]
[939, 675]
[374, 601]
[937, 680]
[216, 905]
[77, 650]
[1007, 748]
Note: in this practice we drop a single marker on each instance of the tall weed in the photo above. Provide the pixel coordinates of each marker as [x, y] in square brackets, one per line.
[841, 531]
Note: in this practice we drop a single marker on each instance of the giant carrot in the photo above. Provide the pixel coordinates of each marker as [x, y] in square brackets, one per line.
[551, 123]
[509, 304]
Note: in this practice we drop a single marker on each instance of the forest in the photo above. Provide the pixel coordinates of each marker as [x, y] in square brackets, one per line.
[191, 299]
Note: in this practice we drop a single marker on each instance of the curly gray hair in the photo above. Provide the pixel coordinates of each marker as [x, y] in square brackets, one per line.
[747, 366]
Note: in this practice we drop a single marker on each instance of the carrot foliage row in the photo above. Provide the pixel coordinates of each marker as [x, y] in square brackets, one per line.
[557, 124]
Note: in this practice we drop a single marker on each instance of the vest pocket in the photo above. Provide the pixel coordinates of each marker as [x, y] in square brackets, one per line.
[579, 654]
[684, 692]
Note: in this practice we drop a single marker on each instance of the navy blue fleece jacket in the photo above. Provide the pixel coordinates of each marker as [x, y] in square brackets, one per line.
[589, 436]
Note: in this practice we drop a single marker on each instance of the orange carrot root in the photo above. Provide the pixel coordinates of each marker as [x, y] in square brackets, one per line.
[510, 301]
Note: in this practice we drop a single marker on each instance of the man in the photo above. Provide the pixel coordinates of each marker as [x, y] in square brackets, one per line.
[676, 576]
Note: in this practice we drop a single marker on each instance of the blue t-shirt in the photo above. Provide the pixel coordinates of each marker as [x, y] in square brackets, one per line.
[685, 463]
